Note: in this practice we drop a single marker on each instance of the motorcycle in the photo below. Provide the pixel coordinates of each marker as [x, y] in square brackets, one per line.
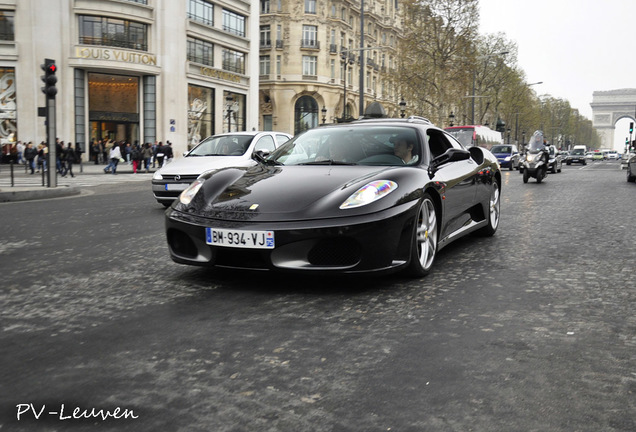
[536, 159]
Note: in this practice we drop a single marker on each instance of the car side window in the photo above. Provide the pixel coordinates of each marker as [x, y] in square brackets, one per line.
[437, 142]
[281, 139]
[265, 143]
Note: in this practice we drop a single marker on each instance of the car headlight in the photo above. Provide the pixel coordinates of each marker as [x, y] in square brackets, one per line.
[369, 193]
[157, 176]
[188, 194]
[507, 158]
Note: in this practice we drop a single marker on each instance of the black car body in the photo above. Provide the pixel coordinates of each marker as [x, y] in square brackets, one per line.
[576, 155]
[337, 199]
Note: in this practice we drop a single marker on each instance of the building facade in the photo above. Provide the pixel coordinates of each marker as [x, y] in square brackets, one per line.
[134, 70]
[309, 65]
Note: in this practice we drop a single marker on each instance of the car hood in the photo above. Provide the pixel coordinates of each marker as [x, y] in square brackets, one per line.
[195, 165]
[285, 193]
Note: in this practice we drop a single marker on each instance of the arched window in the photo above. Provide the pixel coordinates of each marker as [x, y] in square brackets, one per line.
[305, 114]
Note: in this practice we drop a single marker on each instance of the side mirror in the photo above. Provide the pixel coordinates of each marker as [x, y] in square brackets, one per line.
[451, 155]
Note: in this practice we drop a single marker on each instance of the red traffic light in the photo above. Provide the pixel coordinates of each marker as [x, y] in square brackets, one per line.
[51, 68]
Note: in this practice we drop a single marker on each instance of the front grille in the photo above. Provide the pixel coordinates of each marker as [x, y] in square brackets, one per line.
[335, 252]
[182, 178]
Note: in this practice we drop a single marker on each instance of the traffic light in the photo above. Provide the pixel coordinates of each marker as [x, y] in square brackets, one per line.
[49, 79]
[631, 127]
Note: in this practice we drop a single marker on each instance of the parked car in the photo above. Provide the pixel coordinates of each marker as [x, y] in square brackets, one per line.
[555, 163]
[507, 155]
[576, 155]
[218, 151]
[367, 196]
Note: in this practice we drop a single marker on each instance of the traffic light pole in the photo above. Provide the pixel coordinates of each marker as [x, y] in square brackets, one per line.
[50, 141]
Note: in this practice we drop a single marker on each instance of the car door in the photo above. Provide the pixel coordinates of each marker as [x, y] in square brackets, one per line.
[459, 179]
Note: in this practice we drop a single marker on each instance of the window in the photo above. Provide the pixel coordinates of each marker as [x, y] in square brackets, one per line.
[264, 65]
[309, 65]
[310, 36]
[266, 36]
[199, 51]
[201, 11]
[305, 114]
[278, 62]
[310, 6]
[264, 6]
[7, 32]
[265, 144]
[233, 61]
[113, 32]
[233, 23]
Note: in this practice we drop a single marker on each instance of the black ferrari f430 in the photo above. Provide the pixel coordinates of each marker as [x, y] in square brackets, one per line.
[372, 195]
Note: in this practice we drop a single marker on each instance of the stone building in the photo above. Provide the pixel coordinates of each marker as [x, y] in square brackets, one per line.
[310, 60]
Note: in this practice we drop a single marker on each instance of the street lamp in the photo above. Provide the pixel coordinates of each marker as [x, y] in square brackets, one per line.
[346, 60]
[324, 114]
[485, 58]
[229, 101]
[451, 119]
[402, 107]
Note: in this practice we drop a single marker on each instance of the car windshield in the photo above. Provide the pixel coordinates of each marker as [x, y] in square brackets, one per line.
[501, 149]
[346, 145]
[577, 152]
[535, 145]
[225, 145]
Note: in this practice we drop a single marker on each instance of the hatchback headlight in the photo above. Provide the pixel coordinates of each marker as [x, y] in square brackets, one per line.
[188, 194]
[157, 176]
[369, 193]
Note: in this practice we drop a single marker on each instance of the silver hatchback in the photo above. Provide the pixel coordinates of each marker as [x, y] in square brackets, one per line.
[218, 151]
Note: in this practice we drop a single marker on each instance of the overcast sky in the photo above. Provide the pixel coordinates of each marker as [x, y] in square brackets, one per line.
[576, 47]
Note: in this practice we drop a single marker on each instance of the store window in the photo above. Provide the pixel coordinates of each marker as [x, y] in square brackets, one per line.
[305, 114]
[201, 11]
[8, 117]
[200, 114]
[234, 115]
[233, 23]
[94, 30]
[233, 61]
[7, 32]
[199, 51]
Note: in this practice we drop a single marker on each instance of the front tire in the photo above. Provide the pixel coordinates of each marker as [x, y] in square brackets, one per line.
[526, 176]
[424, 244]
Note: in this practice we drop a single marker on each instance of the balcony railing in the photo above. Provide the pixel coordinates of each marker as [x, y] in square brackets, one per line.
[310, 43]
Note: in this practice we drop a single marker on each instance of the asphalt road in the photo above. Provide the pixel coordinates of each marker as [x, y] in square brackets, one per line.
[531, 330]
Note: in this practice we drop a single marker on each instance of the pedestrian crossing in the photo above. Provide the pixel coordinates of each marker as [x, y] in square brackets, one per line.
[81, 179]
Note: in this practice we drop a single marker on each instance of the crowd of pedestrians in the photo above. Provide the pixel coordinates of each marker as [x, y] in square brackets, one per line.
[107, 152]
[35, 157]
[139, 156]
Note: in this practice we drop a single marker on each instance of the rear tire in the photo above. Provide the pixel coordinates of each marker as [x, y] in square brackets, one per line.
[424, 243]
[494, 206]
[526, 176]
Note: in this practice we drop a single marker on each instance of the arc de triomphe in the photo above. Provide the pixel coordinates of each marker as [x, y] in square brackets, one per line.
[608, 107]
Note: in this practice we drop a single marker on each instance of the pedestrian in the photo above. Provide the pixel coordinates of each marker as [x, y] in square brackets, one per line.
[42, 153]
[128, 153]
[154, 154]
[21, 148]
[78, 153]
[168, 151]
[29, 154]
[146, 154]
[68, 158]
[114, 156]
[135, 155]
[96, 150]
[160, 154]
[59, 149]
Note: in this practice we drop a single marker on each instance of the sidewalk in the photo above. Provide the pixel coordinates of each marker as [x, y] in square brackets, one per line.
[29, 187]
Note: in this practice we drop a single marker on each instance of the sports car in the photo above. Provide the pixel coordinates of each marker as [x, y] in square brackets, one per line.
[374, 195]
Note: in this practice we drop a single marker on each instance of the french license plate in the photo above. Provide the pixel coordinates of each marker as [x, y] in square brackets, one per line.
[177, 186]
[240, 238]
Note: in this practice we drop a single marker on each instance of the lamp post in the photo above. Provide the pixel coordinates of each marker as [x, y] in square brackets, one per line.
[346, 60]
[402, 107]
[324, 114]
[229, 100]
[451, 119]
[485, 58]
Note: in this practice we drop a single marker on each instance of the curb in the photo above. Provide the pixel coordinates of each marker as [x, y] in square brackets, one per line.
[36, 194]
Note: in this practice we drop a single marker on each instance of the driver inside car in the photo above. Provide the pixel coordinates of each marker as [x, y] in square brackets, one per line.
[403, 148]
